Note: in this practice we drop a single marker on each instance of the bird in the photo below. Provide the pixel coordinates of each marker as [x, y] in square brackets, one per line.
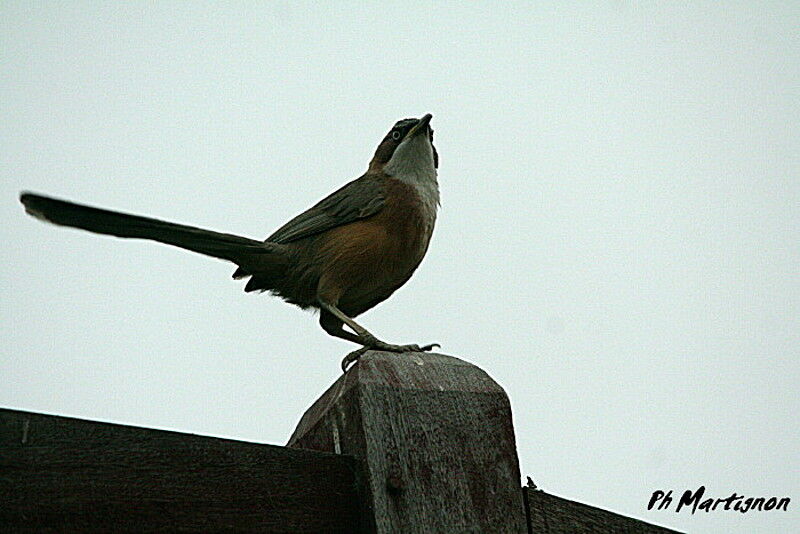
[344, 255]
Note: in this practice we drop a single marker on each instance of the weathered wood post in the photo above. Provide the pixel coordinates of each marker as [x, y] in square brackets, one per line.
[436, 440]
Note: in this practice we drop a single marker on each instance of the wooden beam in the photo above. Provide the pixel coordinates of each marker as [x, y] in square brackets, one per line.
[70, 475]
[556, 515]
[436, 439]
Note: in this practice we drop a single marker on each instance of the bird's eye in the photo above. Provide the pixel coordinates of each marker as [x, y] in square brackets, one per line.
[395, 135]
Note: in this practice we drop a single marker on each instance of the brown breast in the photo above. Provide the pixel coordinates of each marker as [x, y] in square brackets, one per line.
[364, 262]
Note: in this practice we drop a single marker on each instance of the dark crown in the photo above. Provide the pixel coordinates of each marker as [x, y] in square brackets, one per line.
[405, 123]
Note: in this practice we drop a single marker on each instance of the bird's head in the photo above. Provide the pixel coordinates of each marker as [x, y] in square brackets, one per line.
[408, 147]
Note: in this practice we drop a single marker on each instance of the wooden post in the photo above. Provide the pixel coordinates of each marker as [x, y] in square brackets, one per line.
[436, 440]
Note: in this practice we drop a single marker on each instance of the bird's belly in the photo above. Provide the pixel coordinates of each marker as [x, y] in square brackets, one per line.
[371, 259]
[374, 285]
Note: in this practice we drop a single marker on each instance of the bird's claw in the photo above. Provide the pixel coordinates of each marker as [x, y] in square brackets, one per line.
[353, 358]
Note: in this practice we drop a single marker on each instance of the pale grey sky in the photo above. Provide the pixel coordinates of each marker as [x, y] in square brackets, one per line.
[617, 244]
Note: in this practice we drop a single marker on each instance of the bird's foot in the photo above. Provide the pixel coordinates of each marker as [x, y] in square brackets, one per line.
[376, 344]
[371, 342]
[380, 345]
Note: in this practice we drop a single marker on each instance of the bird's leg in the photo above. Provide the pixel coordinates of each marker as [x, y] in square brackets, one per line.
[333, 326]
[331, 320]
[363, 336]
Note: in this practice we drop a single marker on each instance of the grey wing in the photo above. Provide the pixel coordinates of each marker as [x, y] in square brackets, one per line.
[358, 199]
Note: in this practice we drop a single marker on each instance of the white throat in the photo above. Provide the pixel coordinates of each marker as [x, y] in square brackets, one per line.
[412, 163]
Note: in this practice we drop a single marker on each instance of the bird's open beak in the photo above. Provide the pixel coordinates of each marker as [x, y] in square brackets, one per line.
[421, 126]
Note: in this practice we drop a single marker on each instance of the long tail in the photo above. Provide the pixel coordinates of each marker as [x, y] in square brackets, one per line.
[234, 248]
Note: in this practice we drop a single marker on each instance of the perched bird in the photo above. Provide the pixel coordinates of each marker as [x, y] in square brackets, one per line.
[344, 255]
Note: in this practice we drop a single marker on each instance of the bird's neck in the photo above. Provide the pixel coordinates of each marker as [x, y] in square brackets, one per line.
[412, 163]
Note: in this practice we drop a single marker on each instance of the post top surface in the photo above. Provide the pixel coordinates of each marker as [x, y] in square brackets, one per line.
[410, 371]
[418, 371]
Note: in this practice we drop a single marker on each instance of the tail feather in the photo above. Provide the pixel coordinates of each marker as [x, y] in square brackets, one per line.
[240, 273]
[234, 248]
